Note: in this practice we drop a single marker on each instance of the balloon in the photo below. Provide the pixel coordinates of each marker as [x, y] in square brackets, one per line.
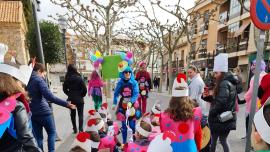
[98, 54]
[123, 55]
[96, 65]
[100, 60]
[130, 62]
[129, 54]
[127, 59]
[138, 114]
[93, 58]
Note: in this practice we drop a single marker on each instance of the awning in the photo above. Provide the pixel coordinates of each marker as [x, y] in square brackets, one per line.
[241, 29]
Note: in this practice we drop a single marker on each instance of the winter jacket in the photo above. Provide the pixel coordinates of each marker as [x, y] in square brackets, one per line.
[196, 88]
[25, 140]
[223, 101]
[40, 95]
[75, 88]
[122, 82]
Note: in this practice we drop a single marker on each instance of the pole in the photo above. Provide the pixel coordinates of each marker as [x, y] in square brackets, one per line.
[38, 35]
[65, 48]
[177, 66]
[255, 87]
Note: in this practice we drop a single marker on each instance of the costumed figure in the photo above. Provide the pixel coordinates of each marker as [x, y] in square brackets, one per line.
[128, 109]
[145, 85]
[154, 118]
[95, 89]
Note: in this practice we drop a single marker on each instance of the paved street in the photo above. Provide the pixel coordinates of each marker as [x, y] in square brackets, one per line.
[64, 127]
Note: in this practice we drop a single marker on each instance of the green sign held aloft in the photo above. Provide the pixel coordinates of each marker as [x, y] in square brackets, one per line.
[110, 67]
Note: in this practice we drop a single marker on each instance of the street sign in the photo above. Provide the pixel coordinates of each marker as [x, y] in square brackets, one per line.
[260, 13]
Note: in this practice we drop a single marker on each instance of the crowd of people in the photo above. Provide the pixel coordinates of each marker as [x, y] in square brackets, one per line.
[194, 111]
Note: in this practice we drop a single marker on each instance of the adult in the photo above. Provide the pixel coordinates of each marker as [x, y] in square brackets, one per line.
[196, 88]
[248, 95]
[41, 112]
[222, 116]
[156, 82]
[144, 81]
[128, 88]
[15, 132]
[75, 88]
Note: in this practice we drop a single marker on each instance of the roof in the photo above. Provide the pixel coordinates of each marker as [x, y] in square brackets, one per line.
[11, 11]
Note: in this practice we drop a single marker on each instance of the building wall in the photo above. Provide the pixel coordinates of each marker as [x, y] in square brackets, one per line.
[13, 35]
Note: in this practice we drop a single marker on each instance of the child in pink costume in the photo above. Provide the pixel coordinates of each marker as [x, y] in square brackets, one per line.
[182, 119]
[143, 130]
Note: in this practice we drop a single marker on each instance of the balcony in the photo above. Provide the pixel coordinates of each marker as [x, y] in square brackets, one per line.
[221, 48]
[203, 29]
[243, 44]
[202, 53]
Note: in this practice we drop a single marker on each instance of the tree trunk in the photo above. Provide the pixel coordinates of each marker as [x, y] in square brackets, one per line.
[161, 75]
[170, 72]
[108, 45]
[152, 69]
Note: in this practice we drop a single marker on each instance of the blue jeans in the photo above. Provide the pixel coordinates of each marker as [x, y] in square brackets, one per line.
[47, 122]
[131, 124]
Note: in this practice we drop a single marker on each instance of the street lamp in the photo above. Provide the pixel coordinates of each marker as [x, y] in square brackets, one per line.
[35, 8]
[62, 21]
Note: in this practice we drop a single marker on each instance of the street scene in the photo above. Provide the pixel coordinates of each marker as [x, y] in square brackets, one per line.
[134, 76]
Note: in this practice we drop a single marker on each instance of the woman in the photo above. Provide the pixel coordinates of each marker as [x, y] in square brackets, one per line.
[74, 87]
[15, 132]
[182, 118]
[41, 112]
[222, 100]
[94, 89]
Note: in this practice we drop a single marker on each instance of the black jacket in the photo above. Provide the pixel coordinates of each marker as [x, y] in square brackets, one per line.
[25, 141]
[75, 88]
[223, 101]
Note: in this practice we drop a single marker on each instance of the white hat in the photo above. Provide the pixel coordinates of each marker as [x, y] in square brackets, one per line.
[180, 86]
[155, 109]
[23, 73]
[261, 125]
[221, 63]
[142, 131]
[92, 126]
[83, 140]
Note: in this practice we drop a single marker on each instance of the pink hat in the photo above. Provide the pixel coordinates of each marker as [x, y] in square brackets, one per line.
[142, 63]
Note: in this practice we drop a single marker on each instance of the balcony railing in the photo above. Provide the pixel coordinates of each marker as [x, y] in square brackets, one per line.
[202, 53]
[243, 44]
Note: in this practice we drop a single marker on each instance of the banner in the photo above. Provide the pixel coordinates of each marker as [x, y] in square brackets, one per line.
[110, 67]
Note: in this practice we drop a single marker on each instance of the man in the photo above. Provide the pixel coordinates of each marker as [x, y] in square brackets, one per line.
[144, 81]
[196, 89]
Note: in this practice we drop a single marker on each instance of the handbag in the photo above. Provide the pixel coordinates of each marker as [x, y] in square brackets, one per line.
[241, 98]
[225, 116]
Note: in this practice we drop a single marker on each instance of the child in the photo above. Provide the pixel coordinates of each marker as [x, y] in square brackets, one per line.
[128, 88]
[94, 89]
[182, 118]
[106, 142]
[154, 117]
[143, 130]
[260, 136]
[86, 142]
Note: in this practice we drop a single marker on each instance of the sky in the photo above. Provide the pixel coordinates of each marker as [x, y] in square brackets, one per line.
[48, 8]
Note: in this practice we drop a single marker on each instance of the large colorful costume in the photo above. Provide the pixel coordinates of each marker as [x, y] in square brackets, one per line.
[127, 109]
[144, 81]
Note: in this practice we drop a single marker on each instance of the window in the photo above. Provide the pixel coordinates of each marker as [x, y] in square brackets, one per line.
[193, 47]
[175, 56]
[235, 9]
[206, 16]
[204, 44]
[182, 55]
[232, 41]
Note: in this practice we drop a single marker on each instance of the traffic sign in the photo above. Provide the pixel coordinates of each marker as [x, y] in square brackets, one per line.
[260, 13]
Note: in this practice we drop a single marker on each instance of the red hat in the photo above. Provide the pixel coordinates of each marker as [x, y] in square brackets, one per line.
[142, 63]
[265, 88]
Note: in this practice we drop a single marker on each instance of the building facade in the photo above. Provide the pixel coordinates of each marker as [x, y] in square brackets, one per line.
[13, 30]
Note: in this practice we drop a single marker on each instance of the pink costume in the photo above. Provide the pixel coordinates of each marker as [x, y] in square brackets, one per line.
[107, 142]
[155, 131]
[134, 147]
[187, 134]
[248, 95]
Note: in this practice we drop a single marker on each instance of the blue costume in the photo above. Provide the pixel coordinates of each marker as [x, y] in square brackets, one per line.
[129, 92]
